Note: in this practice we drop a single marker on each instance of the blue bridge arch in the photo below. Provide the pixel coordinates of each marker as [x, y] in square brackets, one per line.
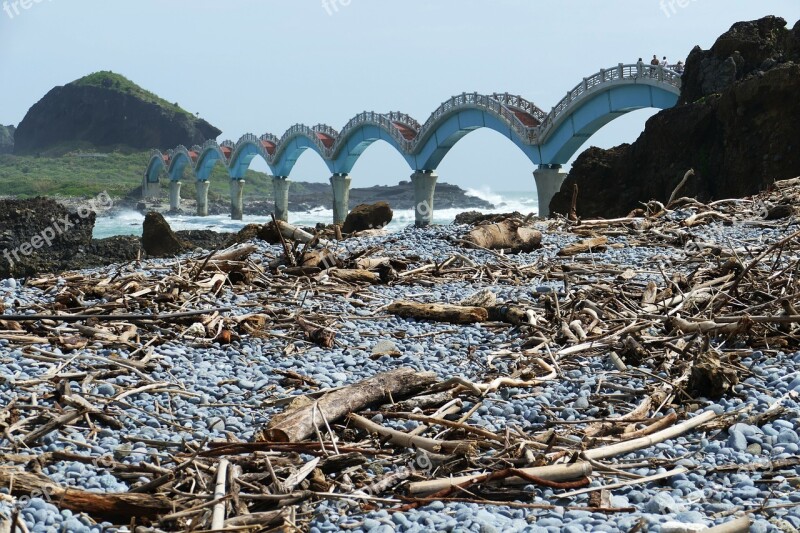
[548, 139]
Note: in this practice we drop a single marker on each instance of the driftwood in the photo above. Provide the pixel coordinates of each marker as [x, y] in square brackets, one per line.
[674, 195]
[354, 276]
[319, 335]
[294, 233]
[739, 525]
[584, 246]
[413, 441]
[551, 473]
[510, 234]
[110, 506]
[454, 314]
[295, 425]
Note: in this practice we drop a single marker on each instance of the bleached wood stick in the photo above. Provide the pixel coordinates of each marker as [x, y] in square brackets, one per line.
[637, 481]
[645, 442]
[550, 473]
[740, 525]
[218, 518]
[676, 190]
[413, 441]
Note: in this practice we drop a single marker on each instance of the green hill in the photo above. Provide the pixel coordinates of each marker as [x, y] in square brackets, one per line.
[106, 79]
[80, 174]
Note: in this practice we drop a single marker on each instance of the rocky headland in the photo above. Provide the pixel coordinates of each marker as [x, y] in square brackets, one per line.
[107, 111]
[737, 125]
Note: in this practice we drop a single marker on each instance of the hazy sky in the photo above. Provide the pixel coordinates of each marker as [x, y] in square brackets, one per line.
[262, 65]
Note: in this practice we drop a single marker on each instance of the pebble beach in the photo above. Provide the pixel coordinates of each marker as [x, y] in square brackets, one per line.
[194, 389]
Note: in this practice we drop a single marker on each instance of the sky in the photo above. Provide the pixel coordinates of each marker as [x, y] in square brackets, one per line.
[258, 66]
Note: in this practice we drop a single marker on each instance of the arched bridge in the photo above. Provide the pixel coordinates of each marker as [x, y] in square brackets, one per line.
[549, 139]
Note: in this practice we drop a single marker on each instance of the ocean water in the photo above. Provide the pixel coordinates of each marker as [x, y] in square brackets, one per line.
[130, 222]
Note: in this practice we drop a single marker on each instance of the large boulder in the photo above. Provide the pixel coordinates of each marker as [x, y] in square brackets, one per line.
[368, 216]
[158, 239]
[738, 130]
[107, 111]
[40, 235]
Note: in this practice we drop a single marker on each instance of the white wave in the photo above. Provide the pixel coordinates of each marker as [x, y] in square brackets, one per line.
[130, 222]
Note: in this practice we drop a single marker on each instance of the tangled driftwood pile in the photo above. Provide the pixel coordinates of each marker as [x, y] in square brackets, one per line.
[689, 322]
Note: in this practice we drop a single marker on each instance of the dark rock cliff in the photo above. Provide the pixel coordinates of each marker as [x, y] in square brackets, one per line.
[106, 111]
[737, 124]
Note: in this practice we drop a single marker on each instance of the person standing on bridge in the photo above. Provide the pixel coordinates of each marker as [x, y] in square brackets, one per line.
[653, 65]
[679, 67]
[664, 63]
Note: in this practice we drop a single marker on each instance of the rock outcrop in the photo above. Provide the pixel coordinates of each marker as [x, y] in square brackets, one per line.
[158, 239]
[41, 235]
[107, 111]
[368, 216]
[6, 139]
[737, 124]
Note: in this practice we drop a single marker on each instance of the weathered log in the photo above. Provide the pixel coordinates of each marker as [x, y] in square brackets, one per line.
[584, 246]
[108, 506]
[510, 234]
[354, 276]
[322, 259]
[560, 472]
[295, 425]
[294, 233]
[455, 314]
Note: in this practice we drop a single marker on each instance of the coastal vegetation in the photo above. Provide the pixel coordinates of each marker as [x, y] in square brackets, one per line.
[79, 174]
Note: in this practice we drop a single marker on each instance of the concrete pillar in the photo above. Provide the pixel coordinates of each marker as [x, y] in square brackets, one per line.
[174, 195]
[424, 182]
[548, 182]
[150, 190]
[341, 197]
[202, 197]
[237, 199]
[280, 187]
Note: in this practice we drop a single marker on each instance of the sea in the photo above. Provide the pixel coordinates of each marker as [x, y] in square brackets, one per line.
[130, 222]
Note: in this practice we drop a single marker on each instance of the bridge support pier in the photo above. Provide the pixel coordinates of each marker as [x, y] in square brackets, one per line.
[548, 182]
[174, 196]
[280, 188]
[237, 199]
[150, 190]
[201, 187]
[424, 182]
[341, 197]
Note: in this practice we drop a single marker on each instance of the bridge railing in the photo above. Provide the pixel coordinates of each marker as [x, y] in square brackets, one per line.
[326, 130]
[384, 121]
[298, 130]
[480, 101]
[404, 119]
[268, 137]
[518, 102]
[621, 71]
